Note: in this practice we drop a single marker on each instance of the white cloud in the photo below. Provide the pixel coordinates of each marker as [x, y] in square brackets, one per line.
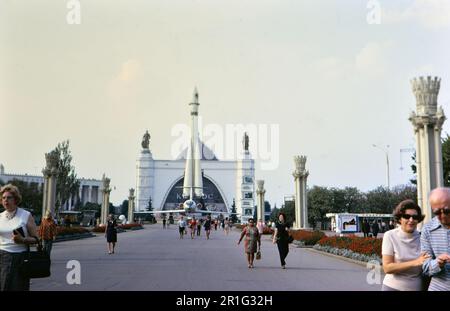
[370, 61]
[372, 58]
[332, 67]
[432, 14]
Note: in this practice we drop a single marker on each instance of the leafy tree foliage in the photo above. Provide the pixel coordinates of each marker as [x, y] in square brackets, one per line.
[67, 184]
[31, 196]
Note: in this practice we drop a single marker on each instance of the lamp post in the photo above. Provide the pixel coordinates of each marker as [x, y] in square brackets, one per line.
[387, 162]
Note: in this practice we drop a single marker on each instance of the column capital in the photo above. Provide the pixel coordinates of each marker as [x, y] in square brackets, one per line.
[297, 174]
[51, 164]
[106, 181]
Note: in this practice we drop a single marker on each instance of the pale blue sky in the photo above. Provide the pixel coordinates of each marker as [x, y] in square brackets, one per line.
[334, 84]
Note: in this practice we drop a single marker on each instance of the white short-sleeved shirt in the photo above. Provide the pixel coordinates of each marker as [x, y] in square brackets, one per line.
[404, 247]
[7, 226]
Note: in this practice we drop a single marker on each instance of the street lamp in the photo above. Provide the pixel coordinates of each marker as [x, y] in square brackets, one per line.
[387, 162]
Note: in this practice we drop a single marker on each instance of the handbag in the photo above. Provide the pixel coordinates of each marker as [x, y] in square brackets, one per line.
[35, 264]
[290, 239]
[258, 255]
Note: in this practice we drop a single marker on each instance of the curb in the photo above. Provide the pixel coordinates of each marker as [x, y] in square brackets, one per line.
[76, 237]
[361, 263]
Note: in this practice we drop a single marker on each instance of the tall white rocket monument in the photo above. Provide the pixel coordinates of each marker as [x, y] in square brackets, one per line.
[193, 180]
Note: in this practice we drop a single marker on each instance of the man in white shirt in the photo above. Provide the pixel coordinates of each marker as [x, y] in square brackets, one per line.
[181, 226]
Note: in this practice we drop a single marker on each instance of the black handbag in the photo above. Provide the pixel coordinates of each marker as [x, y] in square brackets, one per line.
[290, 239]
[36, 264]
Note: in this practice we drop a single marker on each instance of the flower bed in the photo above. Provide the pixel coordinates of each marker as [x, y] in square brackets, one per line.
[120, 228]
[267, 230]
[99, 229]
[363, 249]
[61, 231]
[306, 237]
[130, 226]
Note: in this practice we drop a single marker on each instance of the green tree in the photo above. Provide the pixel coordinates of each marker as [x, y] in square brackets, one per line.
[90, 206]
[274, 214]
[379, 200]
[353, 199]
[31, 196]
[446, 159]
[67, 184]
[338, 200]
[111, 209]
[124, 208]
[234, 218]
[320, 202]
[288, 208]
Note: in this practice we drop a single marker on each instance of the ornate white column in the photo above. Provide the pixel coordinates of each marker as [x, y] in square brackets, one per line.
[131, 206]
[427, 122]
[50, 171]
[260, 191]
[105, 203]
[300, 174]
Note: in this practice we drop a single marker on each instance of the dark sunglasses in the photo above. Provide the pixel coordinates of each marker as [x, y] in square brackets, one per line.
[8, 198]
[408, 216]
[437, 212]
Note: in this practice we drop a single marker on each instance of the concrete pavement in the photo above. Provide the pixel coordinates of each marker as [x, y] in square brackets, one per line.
[156, 259]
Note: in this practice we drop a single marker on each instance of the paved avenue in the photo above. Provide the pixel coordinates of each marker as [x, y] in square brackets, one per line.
[154, 259]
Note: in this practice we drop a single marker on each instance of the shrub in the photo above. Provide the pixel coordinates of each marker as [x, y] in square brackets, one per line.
[268, 230]
[239, 226]
[99, 229]
[70, 230]
[307, 237]
[129, 226]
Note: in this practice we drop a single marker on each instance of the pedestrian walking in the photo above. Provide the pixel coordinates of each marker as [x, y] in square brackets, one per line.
[207, 226]
[402, 259]
[260, 225]
[281, 238]
[375, 229]
[199, 227]
[366, 228]
[181, 227]
[17, 231]
[193, 226]
[226, 226]
[252, 242]
[47, 232]
[111, 233]
[164, 222]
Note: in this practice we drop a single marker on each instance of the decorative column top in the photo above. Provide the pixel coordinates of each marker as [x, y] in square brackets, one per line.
[131, 195]
[51, 161]
[106, 181]
[426, 91]
[300, 163]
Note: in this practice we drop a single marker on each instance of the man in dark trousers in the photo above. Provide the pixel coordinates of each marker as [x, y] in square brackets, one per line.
[375, 229]
[366, 228]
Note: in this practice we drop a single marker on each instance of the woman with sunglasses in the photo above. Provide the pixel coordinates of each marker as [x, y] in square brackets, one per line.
[402, 260]
[17, 230]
